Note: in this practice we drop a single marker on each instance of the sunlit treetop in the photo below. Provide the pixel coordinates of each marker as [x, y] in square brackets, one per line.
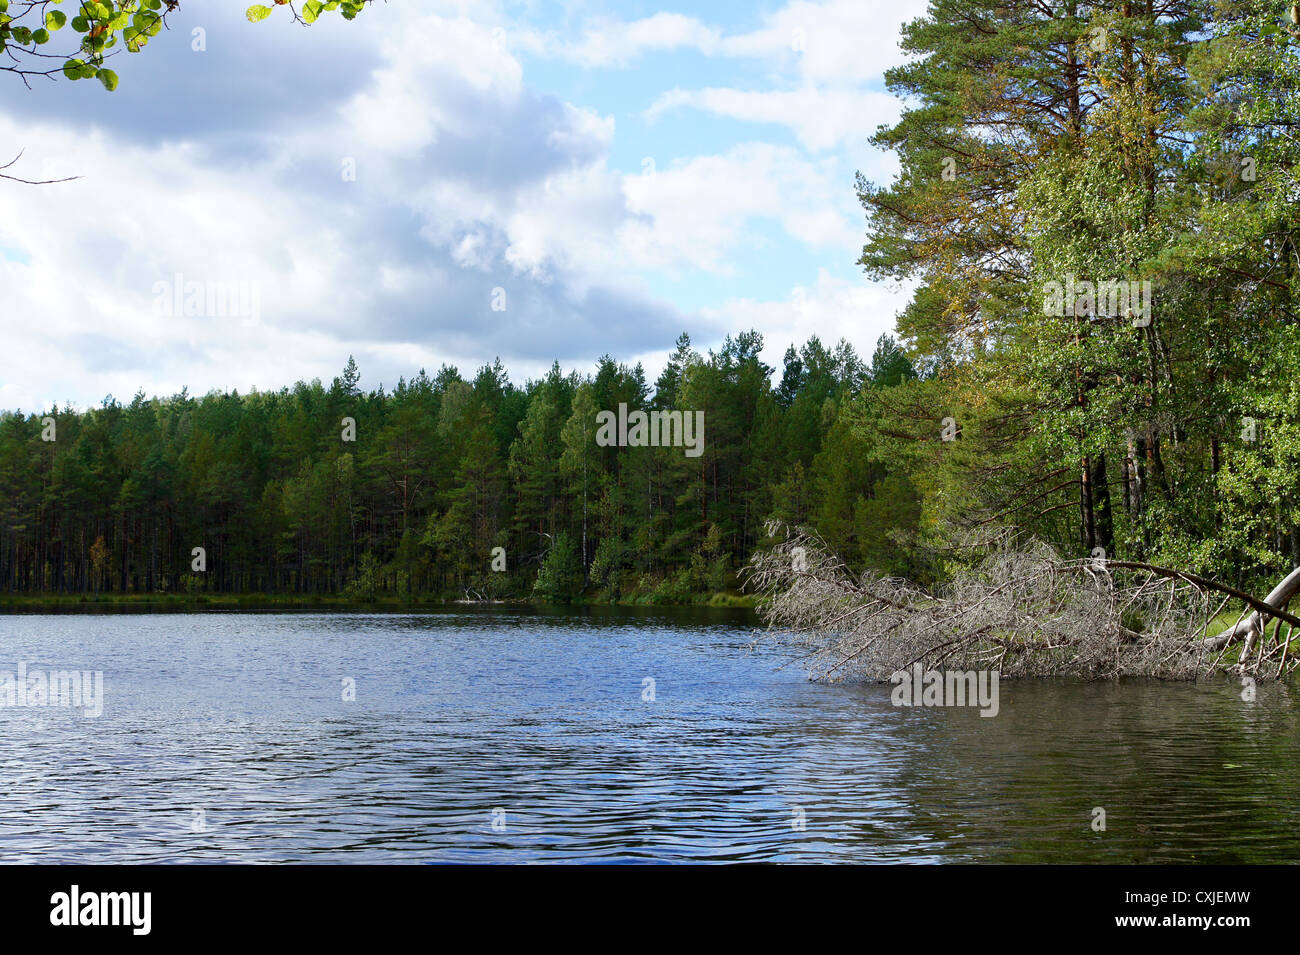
[52, 38]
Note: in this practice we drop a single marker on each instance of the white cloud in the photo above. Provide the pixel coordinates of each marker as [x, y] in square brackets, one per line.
[466, 179]
[606, 42]
[698, 212]
[831, 308]
[822, 119]
[836, 41]
[824, 55]
[399, 110]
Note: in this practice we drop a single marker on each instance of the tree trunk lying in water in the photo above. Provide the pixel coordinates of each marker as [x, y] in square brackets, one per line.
[1024, 611]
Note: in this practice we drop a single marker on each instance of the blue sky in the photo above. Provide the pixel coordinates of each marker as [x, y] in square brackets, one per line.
[533, 181]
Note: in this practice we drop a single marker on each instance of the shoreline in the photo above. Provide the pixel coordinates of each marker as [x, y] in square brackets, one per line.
[264, 603]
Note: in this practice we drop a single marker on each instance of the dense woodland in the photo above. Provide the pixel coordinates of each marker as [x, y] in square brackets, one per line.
[1145, 140]
[438, 472]
[1041, 143]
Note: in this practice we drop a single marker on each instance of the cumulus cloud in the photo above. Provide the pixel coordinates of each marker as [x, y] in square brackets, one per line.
[834, 41]
[453, 160]
[827, 58]
[374, 184]
[822, 119]
[829, 307]
[605, 41]
[750, 183]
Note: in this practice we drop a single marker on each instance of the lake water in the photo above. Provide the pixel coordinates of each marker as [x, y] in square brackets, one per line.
[529, 736]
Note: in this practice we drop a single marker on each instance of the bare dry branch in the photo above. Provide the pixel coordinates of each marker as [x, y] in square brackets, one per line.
[1021, 606]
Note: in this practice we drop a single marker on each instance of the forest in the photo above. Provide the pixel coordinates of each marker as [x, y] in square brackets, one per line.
[1099, 147]
[409, 493]
[1097, 208]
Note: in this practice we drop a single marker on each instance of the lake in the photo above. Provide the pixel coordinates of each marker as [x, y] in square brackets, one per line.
[503, 735]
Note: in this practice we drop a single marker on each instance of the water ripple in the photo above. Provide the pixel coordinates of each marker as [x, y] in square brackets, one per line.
[525, 737]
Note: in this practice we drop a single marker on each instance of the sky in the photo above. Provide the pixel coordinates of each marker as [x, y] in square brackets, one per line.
[443, 183]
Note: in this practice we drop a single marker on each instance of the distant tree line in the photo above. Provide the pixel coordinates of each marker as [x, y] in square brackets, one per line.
[447, 486]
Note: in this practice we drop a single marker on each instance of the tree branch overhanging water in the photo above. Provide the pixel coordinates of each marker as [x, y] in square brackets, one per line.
[1021, 609]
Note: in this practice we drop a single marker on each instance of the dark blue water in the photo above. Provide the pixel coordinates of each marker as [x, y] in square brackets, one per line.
[518, 736]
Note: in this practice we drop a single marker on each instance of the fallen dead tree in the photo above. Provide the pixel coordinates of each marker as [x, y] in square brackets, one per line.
[1022, 610]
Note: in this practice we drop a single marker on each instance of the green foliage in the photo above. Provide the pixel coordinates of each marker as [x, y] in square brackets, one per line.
[311, 10]
[30, 34]
[612, 557]
[443, 471]
[560, 578]
[1094, 141]
[33, 37]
